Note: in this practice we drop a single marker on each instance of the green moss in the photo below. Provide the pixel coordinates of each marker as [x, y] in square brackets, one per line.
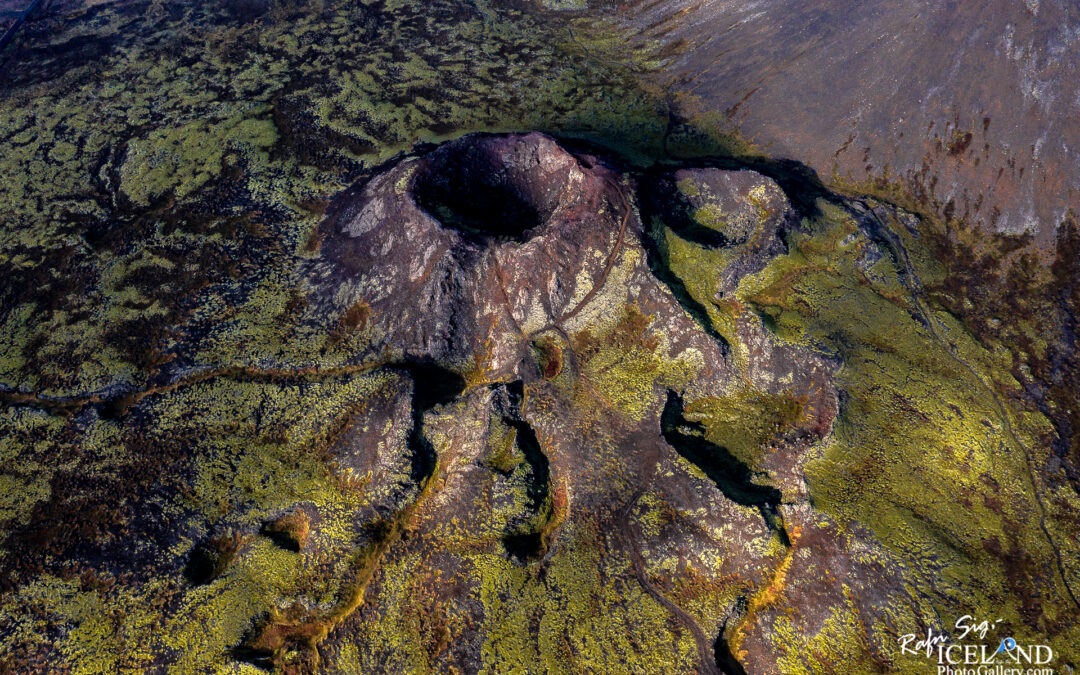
[503, 454]
[580, 618]
[232, 129]
[710, 216]
[689, 187]
[247, 452]
[27, 439]
[394, 642]
[180, 160]
[215, 122]
[841, 639]
[919, 452]
[696, 269]
[626, 363]
[746, 421]
[110, 630]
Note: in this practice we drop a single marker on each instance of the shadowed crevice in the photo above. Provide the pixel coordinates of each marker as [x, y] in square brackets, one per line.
[433, 385]
[662, 199]
[655, 214]
[725, 660]
[733, 477]
[489, 187]
[528, 542]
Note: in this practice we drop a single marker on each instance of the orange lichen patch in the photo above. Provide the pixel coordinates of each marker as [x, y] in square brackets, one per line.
[283, 637]
[778, 294]
[560, 509]
[958, 142]
[693, 586]
[630, 332]
[730, 305]
[290, 639]
[481, 371]
[767, 596]
[313, 242]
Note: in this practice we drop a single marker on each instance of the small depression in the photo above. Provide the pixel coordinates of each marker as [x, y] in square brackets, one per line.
[493, 188]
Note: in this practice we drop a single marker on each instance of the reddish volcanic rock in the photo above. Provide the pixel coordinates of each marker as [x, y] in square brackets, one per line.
[496, 252]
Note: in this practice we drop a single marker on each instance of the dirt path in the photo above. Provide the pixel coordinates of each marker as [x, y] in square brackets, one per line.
[128, 398]
[608, 265]
[704, 645]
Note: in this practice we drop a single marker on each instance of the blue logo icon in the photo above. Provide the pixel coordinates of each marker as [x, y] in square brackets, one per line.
[1007, 645]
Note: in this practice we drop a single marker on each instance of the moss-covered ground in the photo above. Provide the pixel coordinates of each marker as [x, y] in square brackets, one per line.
[172, 405]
